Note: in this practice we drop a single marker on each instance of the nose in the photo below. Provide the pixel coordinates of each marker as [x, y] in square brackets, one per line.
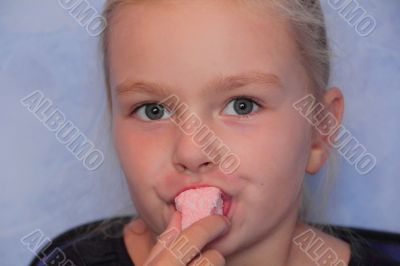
[188, 157]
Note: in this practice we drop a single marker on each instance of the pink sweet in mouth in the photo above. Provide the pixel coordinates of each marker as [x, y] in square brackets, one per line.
[195, 204]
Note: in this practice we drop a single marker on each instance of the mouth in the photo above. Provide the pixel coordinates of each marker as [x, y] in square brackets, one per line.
[226, 198]
[227, 202]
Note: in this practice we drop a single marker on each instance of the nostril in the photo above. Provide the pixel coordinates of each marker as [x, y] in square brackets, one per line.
[205, 166]
[180, 168]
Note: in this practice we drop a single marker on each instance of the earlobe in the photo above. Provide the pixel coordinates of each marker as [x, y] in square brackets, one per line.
[320, 148]
[316, 159]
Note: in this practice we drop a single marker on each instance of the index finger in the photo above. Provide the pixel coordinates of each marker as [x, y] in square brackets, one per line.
[168, 236]
[192, 240]
[139, 240]
[205, 230]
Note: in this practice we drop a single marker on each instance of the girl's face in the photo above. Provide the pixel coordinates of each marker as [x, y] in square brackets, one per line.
[184, 48]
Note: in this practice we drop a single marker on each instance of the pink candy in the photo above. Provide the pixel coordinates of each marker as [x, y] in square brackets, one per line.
[195, 204]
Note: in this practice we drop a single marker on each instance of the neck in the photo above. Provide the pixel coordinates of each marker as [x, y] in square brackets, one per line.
[274, 249]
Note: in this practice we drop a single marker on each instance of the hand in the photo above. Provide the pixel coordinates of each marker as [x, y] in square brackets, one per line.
[175, 247]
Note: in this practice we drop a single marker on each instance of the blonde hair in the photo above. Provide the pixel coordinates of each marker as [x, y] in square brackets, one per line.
[308, 26]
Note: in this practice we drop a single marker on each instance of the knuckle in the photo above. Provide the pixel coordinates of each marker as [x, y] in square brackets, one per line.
[183, 249]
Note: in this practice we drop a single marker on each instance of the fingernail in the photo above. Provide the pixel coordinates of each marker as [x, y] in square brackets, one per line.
[137, 226]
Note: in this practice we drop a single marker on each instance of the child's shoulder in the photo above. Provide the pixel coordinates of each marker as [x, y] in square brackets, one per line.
[101, 243]
[314, 243]
[367, 247]
[94, 243]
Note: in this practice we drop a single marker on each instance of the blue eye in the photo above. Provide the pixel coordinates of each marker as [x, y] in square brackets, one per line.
[151, 111]
[242, 106]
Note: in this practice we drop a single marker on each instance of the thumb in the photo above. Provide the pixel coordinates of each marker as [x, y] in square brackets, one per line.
[139, 240]
[168, 236]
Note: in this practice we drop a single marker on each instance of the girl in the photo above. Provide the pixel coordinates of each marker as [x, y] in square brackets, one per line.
[239, 66]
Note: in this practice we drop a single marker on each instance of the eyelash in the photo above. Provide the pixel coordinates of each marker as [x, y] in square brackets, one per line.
[255, 101]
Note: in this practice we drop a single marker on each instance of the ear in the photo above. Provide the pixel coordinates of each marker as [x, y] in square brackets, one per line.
[326, 121]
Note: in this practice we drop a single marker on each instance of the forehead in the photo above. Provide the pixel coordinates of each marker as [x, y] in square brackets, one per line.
[186, 43]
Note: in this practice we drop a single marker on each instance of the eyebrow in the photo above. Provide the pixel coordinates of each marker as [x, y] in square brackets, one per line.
[218, 85]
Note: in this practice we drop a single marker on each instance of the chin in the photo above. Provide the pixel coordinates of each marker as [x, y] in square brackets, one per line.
[224, 244]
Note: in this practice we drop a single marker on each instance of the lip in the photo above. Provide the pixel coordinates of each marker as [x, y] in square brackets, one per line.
[227, 203]
[226, 198]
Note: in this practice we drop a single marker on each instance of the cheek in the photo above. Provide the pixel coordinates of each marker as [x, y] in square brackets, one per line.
[274, 148]
[273, 156]
[275, 170]
[142, 158]
[140, 153]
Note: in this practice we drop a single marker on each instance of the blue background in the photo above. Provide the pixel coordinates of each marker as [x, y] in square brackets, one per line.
[43, 186]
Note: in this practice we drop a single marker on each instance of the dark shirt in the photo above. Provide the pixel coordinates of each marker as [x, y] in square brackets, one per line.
[101, 243]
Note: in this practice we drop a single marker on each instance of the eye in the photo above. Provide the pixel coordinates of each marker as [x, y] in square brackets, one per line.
[150, 111]
[242, 106]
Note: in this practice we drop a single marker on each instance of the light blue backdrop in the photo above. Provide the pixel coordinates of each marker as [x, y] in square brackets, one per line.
[43, 186]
